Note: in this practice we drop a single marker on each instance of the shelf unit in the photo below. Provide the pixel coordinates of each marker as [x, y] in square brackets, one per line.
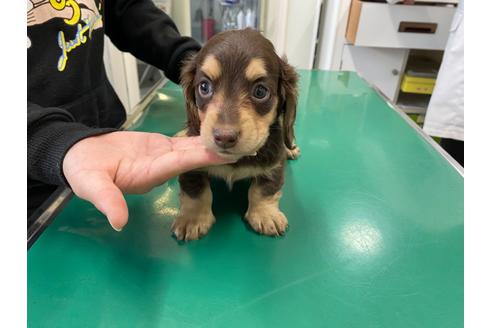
[382, 41]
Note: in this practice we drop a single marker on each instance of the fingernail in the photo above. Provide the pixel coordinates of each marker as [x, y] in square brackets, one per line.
[116, 229]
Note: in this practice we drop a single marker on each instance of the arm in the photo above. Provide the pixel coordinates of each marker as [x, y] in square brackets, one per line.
[50, 133]
[100, 166]
[139, 27]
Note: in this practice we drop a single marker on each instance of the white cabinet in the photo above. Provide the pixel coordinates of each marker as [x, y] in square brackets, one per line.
[380, 66]
[382, 41]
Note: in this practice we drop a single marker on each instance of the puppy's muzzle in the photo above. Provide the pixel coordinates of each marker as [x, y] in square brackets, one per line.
[225, 137]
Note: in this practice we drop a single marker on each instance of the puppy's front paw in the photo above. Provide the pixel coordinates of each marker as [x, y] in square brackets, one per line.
[293, 153]
[267, 221]
[187, 227]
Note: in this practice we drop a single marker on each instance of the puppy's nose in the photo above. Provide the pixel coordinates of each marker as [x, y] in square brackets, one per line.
[225, 138]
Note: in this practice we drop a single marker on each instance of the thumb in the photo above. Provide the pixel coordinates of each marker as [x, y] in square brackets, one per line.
[99, 189]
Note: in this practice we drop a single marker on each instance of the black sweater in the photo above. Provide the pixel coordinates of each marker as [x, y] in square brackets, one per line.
[69, 96]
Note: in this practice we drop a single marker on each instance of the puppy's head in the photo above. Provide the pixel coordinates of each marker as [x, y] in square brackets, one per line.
[236, 88]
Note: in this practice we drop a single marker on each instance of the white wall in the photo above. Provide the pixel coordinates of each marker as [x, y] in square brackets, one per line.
[334, 20]
[121, 69]
[180, 13]
[292, 27]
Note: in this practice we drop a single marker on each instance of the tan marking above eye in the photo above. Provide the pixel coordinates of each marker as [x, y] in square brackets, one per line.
[256, 69]
[211, 67]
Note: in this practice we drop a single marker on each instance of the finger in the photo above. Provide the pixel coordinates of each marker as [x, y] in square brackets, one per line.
[101, 191]
[196, 144]
[179, 143]
[175, 163]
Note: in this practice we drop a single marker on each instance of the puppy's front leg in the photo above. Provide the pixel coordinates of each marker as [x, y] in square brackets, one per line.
[263, 213]
[195, 217]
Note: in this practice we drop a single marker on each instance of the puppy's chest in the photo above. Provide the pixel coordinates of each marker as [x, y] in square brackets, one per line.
[231, 174]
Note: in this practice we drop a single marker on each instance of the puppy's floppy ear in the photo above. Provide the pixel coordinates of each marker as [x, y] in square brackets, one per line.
[288, 94]
[188, 72]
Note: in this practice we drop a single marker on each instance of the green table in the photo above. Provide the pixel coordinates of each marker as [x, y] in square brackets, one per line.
[375, 239]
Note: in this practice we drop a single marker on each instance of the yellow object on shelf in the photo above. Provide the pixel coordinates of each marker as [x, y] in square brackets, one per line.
[414, 84]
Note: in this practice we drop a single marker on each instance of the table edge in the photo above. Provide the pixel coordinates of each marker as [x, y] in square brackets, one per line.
[417, 128]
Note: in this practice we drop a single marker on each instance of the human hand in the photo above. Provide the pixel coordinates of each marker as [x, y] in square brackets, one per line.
[101, 168]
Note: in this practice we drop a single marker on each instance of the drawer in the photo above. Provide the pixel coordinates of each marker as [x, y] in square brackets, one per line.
[399, 26]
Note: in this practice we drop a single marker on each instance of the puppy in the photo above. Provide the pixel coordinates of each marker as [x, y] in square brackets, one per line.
[241, 99]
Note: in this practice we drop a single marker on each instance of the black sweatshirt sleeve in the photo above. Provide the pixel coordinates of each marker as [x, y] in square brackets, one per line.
[139, 27]
[135, 26]
[50, 133]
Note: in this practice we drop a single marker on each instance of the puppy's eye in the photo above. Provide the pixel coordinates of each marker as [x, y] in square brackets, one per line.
[260, 92]
[205, 88]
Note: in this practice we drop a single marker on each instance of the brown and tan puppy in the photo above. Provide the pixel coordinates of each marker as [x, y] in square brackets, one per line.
[241, 99]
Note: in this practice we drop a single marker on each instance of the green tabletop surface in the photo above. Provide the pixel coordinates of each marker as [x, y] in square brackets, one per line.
[375, 237]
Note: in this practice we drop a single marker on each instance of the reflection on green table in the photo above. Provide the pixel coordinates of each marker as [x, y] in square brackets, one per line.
[375, 239]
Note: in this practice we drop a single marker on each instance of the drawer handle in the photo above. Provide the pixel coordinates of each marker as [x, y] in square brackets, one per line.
[417, 27]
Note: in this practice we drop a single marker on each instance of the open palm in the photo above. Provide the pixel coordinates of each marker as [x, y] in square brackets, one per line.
[100, 169]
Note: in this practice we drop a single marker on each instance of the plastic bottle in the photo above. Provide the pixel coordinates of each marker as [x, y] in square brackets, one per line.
[250, 18]
[241, 20]
[228, 19]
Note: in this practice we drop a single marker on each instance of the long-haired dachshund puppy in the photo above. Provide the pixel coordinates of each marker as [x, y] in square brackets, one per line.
[241, 99]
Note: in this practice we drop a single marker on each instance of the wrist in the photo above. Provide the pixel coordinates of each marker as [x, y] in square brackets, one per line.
[78, 142]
